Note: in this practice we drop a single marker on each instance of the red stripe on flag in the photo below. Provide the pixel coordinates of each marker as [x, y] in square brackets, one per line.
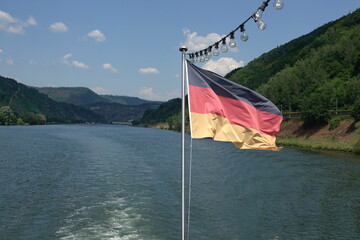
[204, 101]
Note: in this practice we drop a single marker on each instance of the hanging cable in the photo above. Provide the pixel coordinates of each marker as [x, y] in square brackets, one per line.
[204, 54]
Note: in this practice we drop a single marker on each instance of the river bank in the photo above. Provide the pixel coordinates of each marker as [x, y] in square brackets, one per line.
[344, 137]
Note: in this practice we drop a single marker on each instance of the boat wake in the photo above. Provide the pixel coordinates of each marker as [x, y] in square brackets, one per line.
[112, 219]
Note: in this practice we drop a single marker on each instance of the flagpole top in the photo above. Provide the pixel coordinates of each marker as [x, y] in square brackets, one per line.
[183, 49]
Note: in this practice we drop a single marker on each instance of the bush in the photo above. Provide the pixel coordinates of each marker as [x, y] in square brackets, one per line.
[335, 122]
[357, 147]
[314, 110]
[355, 110]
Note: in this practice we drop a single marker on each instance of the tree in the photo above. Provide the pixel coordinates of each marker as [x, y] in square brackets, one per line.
[33, 119]
[355, 113]
[7, 117]
[314, 110]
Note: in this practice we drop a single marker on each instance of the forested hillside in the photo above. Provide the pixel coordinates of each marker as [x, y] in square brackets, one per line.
[74, 95]
[167, 112]
[326, 79]
[112, 108]
[28, 104]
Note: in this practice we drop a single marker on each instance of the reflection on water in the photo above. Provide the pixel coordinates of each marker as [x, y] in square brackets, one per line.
[115, 182]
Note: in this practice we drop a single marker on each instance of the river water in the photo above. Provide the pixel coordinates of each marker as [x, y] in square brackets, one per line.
[118, 182]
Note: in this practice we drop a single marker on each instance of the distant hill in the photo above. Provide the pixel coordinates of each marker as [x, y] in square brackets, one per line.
[112, 108]
[116, 112]
[74, 95]
[128, 100]
[84, 96]
[168, 113]
[23, 99]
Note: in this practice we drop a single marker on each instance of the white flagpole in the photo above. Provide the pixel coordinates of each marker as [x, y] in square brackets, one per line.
[183, 50]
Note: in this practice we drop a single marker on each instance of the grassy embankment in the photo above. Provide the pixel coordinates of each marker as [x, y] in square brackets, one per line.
[344, 137]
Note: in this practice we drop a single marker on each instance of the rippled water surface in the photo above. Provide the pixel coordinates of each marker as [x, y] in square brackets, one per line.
[117, 182]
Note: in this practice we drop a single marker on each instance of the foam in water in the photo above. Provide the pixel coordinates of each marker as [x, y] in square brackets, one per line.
[108, 220]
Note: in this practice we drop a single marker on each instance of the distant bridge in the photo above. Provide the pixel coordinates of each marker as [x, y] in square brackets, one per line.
[122, 123]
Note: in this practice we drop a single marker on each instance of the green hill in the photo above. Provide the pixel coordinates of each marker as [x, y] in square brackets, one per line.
[328, 78]
[74, 95]
[128, 100]
[111, 108]
[84, 96]
[261, 69]
[116, 112]
[23, 99]
[162, 114]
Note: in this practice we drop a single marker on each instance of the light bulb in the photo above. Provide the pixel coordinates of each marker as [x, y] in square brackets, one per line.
[243, 36]
[232, 42]
[258, 14]
[208, 55]
[278, 4]
[261, 25]
[202, 58]
[192, 58]
[197, 57]
[224, 48]
[216, 51]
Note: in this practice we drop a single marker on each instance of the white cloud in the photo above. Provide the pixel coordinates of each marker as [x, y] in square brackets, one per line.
[58, 27]
[32, 62]
[194, 42]
[65, 58]
[148, 70]
[97, 35]
[100, 90]
[1, 51]
[108, 66]
[13, 25]
[223, 65]
[80, 65]
[31, 21]
[10, 61]
[148, 93]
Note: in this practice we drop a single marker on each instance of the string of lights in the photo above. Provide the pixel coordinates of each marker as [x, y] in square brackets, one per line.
[205, 54]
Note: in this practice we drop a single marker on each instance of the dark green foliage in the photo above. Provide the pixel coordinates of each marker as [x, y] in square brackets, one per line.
[355, 113]
[335, 122]
[325, 73]
[162, 113]
[315, 110]
[33, 119]
[7, 117]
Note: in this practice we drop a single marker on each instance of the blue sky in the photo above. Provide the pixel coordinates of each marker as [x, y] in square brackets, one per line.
[131, 47]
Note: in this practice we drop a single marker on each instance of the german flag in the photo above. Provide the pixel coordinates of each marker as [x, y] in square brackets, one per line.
[225, 111]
